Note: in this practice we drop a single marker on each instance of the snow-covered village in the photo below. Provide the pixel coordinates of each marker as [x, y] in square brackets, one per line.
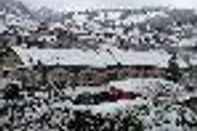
[98, 69]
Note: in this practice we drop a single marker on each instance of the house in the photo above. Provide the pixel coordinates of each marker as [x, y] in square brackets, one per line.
[94, 66]
[152, 63]
[64, 64]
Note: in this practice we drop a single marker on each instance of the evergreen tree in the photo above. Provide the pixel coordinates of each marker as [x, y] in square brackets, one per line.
[11, 92]
[173, 72]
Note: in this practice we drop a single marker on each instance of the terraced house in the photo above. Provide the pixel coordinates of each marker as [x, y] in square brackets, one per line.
[88, 67]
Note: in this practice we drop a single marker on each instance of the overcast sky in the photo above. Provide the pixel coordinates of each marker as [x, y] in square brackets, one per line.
[84, 4]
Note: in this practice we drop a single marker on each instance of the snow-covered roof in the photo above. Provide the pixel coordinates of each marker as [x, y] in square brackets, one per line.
[79, 31]
[157, 58]
[188, 42]
[86, 37]
[100, 58]
[145, 86]
[154, 58]
[137, 18]
[112, 108]
[57, 25]
[65, 57]
[151, 87]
